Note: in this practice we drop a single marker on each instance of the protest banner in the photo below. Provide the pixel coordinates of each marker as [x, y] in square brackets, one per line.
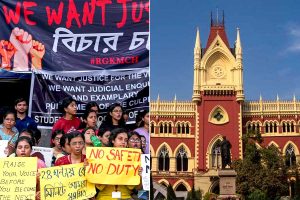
[128, 87]
[18, 178]
[146, 171]
[68, 35]
[113, 166]
[65, 182]
[43, 153]
[3, 146]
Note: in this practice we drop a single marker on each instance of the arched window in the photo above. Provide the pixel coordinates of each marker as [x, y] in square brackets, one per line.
[161, 128]
[283, 127]
[165, 128]
[181, 160]
[152, 128]
[292, 127]
[275, 127]
[288, 126]
[290, 157]
[216, 155]
[249, 128]
[181, 187]
[170, 128]
[183, 128]
[267, 128]
[178, 128]
[187, 129]
[164, 159]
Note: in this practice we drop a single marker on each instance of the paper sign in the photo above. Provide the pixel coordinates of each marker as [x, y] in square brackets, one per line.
[146, 171]
[43, 153]
[18, 178]
[113, 166]
[3, 145]
[65, 182]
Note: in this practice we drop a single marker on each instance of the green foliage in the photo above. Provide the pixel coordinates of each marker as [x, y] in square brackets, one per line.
[206, 196]
[194, 194]
[170, 193]
[261, 171]
[257, 195]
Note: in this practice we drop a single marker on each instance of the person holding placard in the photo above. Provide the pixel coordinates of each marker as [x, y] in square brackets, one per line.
[23, 149]
[134, 141]
[68, 122]
[76, 141]
[143, 129]
[114, 117]
[88, 133]
[118, 139]
[8, 131]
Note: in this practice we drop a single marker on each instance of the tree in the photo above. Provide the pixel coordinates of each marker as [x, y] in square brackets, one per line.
[268, 173]
[170, 193]
[194, 194]
[257, 195]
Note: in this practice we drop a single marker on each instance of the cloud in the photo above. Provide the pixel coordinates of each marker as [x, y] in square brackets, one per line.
[294, 32]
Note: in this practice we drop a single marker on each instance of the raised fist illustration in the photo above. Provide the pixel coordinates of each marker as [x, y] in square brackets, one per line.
[37, 52]
[22, 41]
[7, 50]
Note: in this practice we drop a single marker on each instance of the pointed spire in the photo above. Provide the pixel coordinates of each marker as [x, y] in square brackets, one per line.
[197, 48]
[277, 98]
[238, 44]
[294, 97]
[158, 97]
[175, 98]
[260, 97]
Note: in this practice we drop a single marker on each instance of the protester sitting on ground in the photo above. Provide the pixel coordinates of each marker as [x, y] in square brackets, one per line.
[55, 143]
[64, 143]
[103, 135]
[76, 141]
[134, 141]
[89, 120]
[68, 122]
[23, 120]
[114, 117]
[118, 139]
[8, 131]
[23, 149]
[88, 132]
[143, 129]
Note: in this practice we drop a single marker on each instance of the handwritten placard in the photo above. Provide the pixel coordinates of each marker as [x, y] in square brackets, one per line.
[18, 178]
[43, 153]
[65, 182]
[113, 166]
[146, 171]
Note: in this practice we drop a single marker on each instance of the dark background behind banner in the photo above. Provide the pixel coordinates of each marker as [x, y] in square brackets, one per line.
[132, 17]
[130, 88]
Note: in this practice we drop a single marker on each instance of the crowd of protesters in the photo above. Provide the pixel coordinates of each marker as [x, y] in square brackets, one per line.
[72, 134]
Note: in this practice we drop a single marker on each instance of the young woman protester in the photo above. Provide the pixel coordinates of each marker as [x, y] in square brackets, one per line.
[68, 122]
[93, 106]
[89, 120]
[23, 149]
[118, 139]
[55, 143]
[8, 131]
[134, 141]
[103, 135]
[76, 141]
[88, 133]
[143, 129]
[114, 117]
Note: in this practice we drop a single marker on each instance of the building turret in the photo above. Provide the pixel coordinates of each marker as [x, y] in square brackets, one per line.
[197, 60]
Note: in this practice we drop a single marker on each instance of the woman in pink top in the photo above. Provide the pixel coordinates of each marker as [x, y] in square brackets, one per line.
[68, 122]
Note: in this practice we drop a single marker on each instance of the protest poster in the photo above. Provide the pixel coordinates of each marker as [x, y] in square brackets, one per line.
[146, 171]
[113, 166]
[18, 178]
[43, 153]
[130, 88]
[3, 146]
[69, 35]
[65, 182]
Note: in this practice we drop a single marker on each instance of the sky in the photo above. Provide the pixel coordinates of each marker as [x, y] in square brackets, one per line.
[270, 36]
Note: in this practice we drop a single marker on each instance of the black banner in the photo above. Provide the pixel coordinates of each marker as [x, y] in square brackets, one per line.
[74, 35]
[130, 88]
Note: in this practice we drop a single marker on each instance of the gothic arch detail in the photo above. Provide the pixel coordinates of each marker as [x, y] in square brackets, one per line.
[183, 182]
[212, 155]
[218, 115]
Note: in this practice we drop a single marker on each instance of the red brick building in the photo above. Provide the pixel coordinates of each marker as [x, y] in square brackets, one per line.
[185, 135]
